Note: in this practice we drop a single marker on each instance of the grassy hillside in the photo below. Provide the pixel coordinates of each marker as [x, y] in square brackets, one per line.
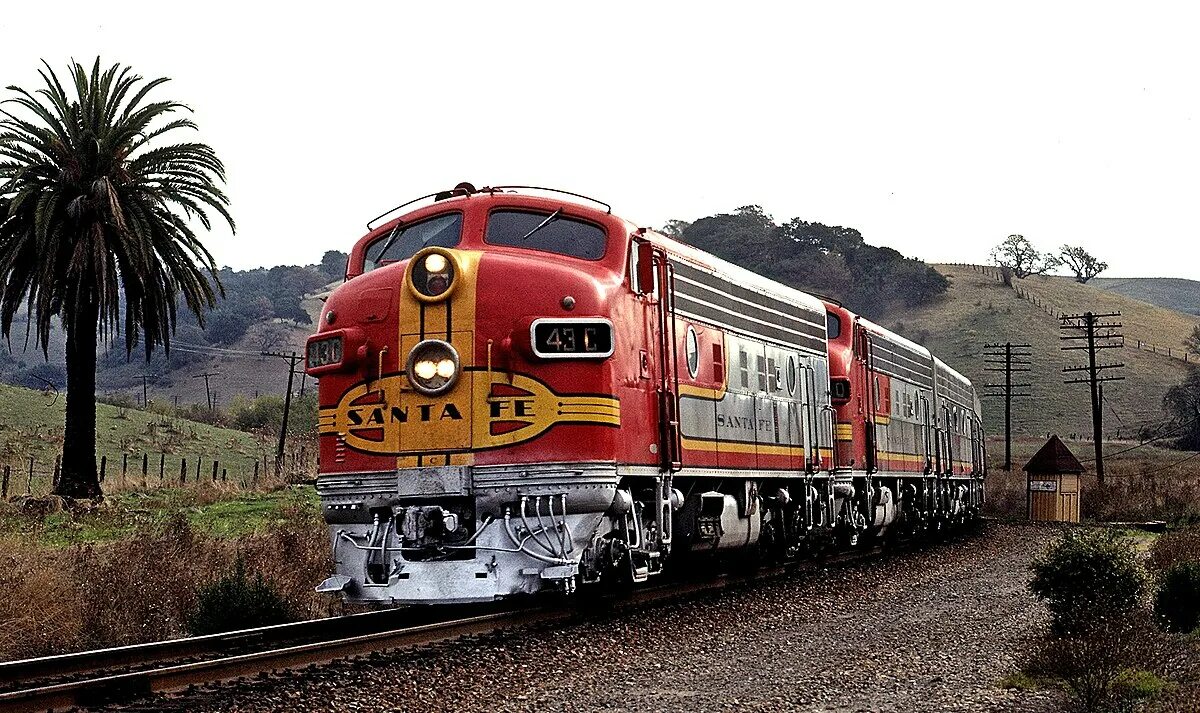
[1170, 292]
[1143, 321]
[31, 424]
[978, 309]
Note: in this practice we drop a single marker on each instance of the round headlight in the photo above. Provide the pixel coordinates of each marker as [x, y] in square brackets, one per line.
[433, 367]
[431, 275]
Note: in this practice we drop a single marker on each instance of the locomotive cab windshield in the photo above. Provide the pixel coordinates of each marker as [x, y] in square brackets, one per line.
[553, 232]
[403, 241]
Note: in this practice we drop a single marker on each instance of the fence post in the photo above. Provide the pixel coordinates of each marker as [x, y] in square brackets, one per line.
[29, 483]
[57, 471]
[4, 484]
[183, 471]
[254, 483]
[214, 476]
[198, 459]
[224, 476]
[103, 467]
[124, 466]
[145, 467]
[162, 467]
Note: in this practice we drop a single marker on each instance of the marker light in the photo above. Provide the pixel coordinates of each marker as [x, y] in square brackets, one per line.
[433, 367]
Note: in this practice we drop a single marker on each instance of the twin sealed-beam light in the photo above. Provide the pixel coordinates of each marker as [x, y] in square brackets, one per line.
[433, 367]
[427, 369]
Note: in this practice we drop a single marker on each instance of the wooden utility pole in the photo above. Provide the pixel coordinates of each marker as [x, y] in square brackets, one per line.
[287, 406]
[145, 390]
[1095, 334]
[1012, 359]
[208, 395]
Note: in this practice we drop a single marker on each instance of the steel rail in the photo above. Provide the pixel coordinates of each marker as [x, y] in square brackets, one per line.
[61, 666]
[136, 684]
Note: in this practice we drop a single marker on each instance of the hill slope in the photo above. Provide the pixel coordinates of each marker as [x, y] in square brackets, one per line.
[31, 424]
[978, 309]
[1170, 292]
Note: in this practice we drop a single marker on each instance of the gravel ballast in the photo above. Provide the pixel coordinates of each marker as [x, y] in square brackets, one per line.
[931, 630]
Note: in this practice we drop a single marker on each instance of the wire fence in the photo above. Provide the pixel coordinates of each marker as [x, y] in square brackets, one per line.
[147, 471]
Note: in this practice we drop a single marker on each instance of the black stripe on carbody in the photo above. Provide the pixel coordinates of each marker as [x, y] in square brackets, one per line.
[685, 306]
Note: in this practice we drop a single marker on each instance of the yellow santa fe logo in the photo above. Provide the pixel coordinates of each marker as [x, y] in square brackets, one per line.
[387, 418]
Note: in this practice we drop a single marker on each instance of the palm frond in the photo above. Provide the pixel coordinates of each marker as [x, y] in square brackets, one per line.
[94, 207]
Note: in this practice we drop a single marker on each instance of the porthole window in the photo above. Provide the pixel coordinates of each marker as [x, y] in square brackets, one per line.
[791, 376]
[693, 352]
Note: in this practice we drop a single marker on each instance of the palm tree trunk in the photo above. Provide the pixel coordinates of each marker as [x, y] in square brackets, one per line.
[78, 479]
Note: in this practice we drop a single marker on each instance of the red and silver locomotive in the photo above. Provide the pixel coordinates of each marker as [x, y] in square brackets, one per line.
[520, 393]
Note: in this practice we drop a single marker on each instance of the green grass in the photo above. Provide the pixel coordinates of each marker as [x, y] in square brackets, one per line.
[1022, 681]
[1139, 685]
[31, 424]
[251, 512]
[208, 511]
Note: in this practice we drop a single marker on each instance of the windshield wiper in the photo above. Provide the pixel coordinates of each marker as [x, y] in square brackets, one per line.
[553, 217]
[390, 239]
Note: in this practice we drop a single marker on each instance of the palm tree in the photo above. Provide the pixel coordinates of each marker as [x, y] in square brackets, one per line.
[96, 214]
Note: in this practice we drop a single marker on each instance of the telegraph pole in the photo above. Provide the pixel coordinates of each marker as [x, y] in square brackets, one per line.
[1096, 334]
[145, 398]
[208, 395]
[287, 405]
[1013, 359]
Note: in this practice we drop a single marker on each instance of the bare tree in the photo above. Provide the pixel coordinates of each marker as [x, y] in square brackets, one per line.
[1081, 263]
[270, 337]
[1193, 340]
[1019, 255]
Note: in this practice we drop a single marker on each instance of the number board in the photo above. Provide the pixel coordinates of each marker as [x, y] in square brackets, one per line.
[572, 338]
[1043, 486]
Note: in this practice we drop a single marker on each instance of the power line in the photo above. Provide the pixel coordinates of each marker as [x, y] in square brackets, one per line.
[1148, 441]
[1181, 461]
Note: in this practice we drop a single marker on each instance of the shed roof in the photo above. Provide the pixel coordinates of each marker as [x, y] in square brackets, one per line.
[1054, 457]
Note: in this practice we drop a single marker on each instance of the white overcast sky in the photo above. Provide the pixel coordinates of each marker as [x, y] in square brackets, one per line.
[936, 129]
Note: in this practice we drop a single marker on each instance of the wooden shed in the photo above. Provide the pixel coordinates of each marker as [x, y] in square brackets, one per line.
[1053, 477]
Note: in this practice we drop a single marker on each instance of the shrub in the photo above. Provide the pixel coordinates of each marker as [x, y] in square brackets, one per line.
[1177, 601]
[1174, 548]
[1107, 660]
[235, 602]
[1087, 575]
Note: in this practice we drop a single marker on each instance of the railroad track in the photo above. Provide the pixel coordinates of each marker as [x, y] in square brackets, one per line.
[119, 675]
